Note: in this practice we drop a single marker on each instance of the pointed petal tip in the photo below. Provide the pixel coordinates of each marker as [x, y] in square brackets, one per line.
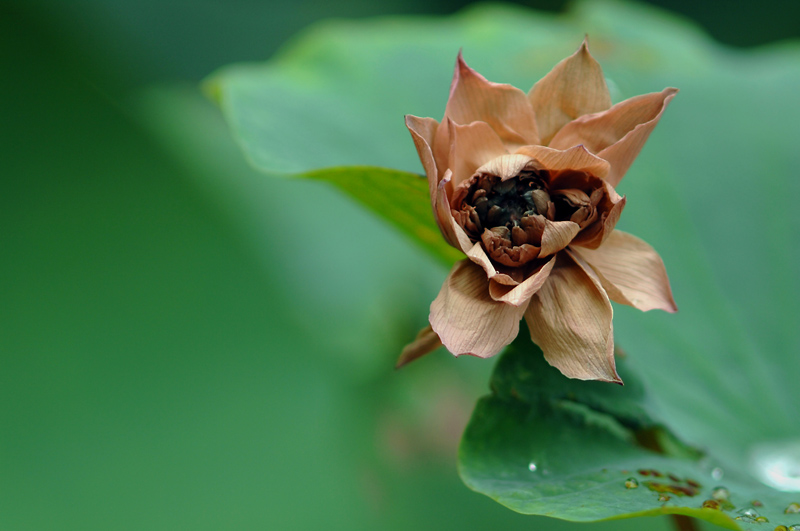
[462, 70]
[426, 342]
[672, 309]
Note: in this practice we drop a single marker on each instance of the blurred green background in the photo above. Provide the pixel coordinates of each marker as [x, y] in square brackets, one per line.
[179, 354]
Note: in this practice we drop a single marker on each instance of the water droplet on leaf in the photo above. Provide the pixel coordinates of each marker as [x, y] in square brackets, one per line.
[793, 507]
[748, 515]
[720, 493]
[717, 473]
[631, 483]
[762, 520]
[532, 466]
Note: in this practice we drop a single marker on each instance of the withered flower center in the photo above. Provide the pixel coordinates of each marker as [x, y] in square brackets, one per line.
[509, 216]
[505, 203]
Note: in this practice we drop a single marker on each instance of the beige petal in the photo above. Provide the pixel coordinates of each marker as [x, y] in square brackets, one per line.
[631, 272]
[570, 319]
[423, 131]
[576, 158]
[478, 256]
[618, 134]
[452, 232]
[557, 235]
[467, 319]
[521, 294]
[505, 108]
[471, 146]
[506, 166]
[426, 342]
[574, 87]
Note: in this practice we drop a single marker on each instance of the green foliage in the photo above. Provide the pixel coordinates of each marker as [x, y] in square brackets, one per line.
[587, 451]
[711, 192]
[401, 198]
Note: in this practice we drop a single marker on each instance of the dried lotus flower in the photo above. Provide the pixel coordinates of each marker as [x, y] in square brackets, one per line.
[524, 185]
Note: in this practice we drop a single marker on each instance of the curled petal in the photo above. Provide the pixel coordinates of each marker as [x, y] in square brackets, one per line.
[574, 87]
[505, 108]
[423, 131]
[618, 134]
[592, 237]
[570, 319]
[479, 257]
[506, 166]
[521, 294]
[576, 158]
[471, 146]
[451, 231]
[426, 342]
[631, 272]
[467, 319]
[557, 235]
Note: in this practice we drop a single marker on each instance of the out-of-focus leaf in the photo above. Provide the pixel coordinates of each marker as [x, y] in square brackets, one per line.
[397, 196]
[711, 192]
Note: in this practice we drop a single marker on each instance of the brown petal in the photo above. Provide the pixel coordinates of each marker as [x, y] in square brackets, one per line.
[570, 319]
[557, 235]
[631, 272]
[594, 235]
[576, 158]
[467, 319]
[505, 108]
[426, 342]
[618, 134]
[521, 294]
[471, 146]
[422, 132]
[574, 87]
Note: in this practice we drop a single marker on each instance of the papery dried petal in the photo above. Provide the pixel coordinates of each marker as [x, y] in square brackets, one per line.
[593, 236]
[504, 107]
[520, 295]
[631, 272]
[505, 166]
[467, 319]
[576, 158]
[570, 319]
[574, 87]
[498, 245]
[451, 231]
[422, 132]
[471, 146]
[618, 134]
[557, 235]
[426, 342]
